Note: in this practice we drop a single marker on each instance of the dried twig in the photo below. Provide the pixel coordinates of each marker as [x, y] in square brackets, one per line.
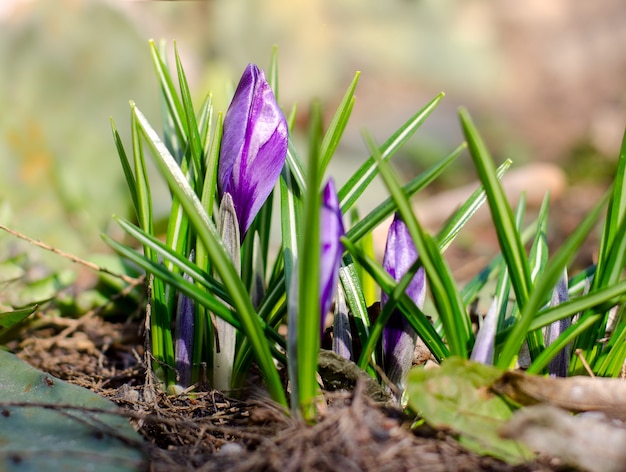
[131, 280]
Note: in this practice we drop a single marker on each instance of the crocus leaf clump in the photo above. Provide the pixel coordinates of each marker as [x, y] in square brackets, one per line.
[242, 286]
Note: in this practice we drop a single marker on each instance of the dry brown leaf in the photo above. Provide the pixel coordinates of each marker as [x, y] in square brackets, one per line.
[588, 441]
[572, 393]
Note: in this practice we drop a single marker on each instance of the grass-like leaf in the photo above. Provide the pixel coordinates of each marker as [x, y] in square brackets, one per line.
[616, 213]
[603, 298]
[337, 125]
[128, 172]
[182, 264]
[291, 219]
[611, 362]
[13, 317]
[464, 213]
[291, 210]
[161, 337]
[501, 214]
[356, 185]
[294, 162]
[386, 209]
[367, 286]
[611, 261]
[207, 197]
[538, 258]
[205, 298]
[206, 231]
[308, 316]
[205, 122]
[208, 299]
[543, 288]
[356, 302]
[168, 92]
[194, 144]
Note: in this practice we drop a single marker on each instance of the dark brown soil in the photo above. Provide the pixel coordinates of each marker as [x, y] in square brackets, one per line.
[210, 432]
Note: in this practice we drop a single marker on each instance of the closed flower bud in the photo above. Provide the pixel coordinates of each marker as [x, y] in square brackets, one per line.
[253, 148]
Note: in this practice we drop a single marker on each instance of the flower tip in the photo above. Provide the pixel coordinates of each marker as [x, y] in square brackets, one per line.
[400, 254]
[252, 71]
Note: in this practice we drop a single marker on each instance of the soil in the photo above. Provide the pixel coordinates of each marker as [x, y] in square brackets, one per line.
[208, 431]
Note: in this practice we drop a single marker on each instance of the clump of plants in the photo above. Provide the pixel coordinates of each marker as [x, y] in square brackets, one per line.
[221, 291]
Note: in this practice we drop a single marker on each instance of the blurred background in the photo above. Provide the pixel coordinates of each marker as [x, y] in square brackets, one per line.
[545, 82]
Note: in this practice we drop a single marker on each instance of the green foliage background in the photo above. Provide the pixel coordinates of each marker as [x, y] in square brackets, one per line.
[65, 68]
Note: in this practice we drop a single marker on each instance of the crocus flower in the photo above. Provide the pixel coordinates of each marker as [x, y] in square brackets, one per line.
[331, 229]
[253, 148]
[399, 337]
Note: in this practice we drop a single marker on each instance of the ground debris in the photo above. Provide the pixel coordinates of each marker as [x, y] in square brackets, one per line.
[590, 441]
[208, 431]
[578, 393]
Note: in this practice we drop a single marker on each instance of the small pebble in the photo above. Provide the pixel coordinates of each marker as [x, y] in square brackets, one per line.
[231, 448]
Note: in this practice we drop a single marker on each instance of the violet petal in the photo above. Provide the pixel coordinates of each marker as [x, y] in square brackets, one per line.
[184, 334]
[253, 147]
[331, 229]
[399, 337]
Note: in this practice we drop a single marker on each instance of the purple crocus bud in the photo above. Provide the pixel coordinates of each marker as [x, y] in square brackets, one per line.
[342, 336]
[558, 366]
[486, 338]
[253, 148]
[331, 229]
[399, 337]
[184, 334]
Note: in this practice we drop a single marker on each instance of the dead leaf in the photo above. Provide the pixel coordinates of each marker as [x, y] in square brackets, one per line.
[588, 441]
[456, 397]
[572, 393]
